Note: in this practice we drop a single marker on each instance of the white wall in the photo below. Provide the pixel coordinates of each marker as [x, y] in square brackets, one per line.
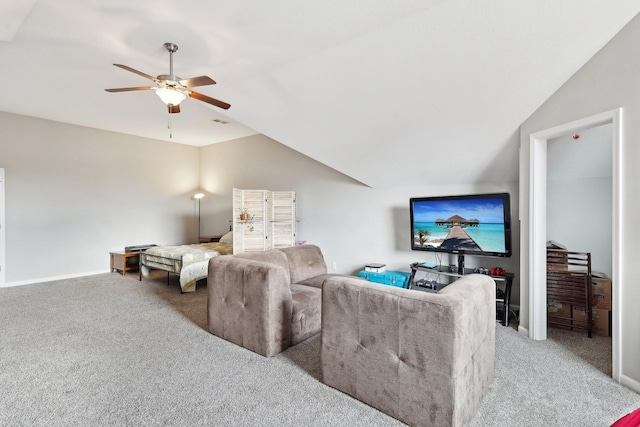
[352, 223]
[608, 81]
[73, 194]
[579, 217]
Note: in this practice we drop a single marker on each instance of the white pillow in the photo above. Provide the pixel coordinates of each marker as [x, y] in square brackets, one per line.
[227, 238]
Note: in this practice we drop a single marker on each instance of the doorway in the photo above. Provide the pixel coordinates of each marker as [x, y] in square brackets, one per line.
[579, 191]
[538, 227]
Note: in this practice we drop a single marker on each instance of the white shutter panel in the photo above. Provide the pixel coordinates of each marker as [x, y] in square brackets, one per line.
[283, 218]
[250, 235]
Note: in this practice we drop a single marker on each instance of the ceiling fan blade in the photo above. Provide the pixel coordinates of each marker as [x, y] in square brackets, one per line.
[140, 73]
[209, 100]
[173, 108]
[126, 89]
[197, 81]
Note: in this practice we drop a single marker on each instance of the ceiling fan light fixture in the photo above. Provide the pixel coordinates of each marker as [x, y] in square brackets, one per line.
[170, 96]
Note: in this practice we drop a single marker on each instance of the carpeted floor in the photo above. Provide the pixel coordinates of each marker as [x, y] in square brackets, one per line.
[109, 350]
[596, 351]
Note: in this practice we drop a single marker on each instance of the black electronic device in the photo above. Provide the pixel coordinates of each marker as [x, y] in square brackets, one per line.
[429, 284]
[138, 248]
[476, 224]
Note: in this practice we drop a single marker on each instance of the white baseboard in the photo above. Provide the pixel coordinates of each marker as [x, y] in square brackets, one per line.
[630, 383]
[523, 331]
[51, 279]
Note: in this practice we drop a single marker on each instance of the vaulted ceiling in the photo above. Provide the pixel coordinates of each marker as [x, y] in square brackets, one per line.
[387, 92]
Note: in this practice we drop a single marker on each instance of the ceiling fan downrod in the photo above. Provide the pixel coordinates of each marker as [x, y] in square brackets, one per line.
[171, 47]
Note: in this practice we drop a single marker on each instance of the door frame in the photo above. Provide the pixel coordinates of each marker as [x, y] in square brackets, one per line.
[538, 227]
[2, 232]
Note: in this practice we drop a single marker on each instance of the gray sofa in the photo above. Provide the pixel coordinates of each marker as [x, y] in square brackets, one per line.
[426, 359]
[266, 301]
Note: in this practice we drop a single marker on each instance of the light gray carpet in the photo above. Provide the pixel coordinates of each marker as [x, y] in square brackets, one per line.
[596, 351]
[109, 350]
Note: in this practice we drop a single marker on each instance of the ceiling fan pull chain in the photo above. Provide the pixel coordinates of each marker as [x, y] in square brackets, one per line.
[169, 127]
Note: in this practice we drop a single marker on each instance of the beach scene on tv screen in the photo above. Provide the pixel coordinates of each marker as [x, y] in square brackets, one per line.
[463, 224]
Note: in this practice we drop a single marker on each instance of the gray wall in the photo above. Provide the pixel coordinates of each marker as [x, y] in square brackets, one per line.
[579, 217]
[73, 194]
[352, 223]
[608, 81]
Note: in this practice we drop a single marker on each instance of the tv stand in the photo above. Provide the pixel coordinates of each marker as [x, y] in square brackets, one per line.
[502, 296]
[461, 264]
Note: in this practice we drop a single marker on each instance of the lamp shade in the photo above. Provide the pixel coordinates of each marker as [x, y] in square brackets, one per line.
[198, 195]
[170, 96]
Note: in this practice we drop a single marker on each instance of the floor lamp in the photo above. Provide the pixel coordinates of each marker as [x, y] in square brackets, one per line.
[199, 195]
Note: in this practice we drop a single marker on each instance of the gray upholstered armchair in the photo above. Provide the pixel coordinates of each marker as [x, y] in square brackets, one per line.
[426, 359]
[266, 301]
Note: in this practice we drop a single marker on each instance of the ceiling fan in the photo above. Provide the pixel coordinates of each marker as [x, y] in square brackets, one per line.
[172, 89]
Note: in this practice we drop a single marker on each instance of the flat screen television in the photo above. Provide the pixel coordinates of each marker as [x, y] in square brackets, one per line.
[476, 224]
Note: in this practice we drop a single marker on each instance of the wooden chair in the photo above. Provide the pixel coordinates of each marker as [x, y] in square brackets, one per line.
[569, 282]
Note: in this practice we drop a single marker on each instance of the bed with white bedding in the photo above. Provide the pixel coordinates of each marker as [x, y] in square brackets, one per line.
[190, 262]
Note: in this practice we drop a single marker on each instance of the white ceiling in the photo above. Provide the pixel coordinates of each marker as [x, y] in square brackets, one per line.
[387, 92]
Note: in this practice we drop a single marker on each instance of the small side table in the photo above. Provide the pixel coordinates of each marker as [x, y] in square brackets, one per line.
[124, 261]
[210, 239]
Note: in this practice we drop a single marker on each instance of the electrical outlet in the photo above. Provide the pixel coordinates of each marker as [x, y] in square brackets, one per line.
[334, 265]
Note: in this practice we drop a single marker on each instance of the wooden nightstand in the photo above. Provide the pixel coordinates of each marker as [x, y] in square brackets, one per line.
[124, 261]
[210, 239]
